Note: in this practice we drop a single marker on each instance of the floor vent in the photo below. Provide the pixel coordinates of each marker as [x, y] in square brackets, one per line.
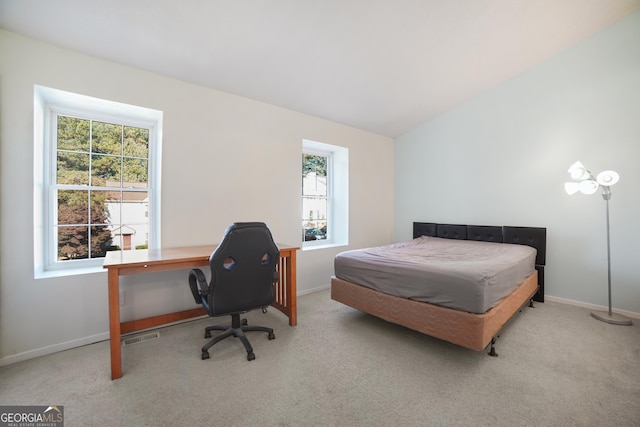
[141, 338]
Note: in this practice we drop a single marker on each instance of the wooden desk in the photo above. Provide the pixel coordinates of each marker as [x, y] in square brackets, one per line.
[121, 263]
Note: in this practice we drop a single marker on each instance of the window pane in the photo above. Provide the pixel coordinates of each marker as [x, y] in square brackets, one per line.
[105, 171]
[314, 163]
[134, 207]
[135, 172]
[314, 175]
[315, 230]
[73, 168]
[314, 208]
[101, 241]
[314, 185]
[314, 222]
[73, 134]
[73, 207]
[73, 242]
[136, 142]
[107, 138]
[99, 209]
[112, 201]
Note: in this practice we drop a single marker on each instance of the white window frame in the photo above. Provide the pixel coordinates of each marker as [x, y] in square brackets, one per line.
[48, 103]
[337, 194]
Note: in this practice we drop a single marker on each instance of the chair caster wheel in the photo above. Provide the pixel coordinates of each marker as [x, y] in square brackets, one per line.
[244, 322]
[250, 356]
[205, 355]
[272, 336]
[207, 334]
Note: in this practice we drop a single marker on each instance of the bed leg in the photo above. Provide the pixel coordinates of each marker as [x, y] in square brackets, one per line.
[492, 350]
[531, 303]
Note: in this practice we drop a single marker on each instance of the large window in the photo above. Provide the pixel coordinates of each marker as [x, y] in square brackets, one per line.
[325, 194]
[99, 180]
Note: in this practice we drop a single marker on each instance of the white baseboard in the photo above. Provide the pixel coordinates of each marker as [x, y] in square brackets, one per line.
[591, 306]
[43, 351]
[312, 290]
[31, 354]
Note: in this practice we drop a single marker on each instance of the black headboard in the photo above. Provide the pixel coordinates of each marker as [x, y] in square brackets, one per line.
[536, 237]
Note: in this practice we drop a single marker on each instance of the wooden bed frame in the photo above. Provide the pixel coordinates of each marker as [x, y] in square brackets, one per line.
[470, 330]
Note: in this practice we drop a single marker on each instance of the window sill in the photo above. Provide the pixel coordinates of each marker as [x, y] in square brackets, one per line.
[323, 246]
[49, 274]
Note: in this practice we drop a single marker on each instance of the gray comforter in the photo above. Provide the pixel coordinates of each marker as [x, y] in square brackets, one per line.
[466, 275]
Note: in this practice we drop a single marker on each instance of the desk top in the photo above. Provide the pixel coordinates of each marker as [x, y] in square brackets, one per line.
[160, 256]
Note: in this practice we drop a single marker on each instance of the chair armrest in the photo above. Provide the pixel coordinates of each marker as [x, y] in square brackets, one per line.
[198, 285]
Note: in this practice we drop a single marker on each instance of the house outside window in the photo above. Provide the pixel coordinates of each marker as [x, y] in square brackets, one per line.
[97, 180]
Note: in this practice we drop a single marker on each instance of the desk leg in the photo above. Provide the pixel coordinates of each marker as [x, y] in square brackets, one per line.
[292, 298]
[114, 324]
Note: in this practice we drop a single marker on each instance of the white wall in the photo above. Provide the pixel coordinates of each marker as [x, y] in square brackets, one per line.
[502, 159]
[225, 159]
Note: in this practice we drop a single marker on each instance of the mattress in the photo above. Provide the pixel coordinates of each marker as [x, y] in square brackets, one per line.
[465, 275]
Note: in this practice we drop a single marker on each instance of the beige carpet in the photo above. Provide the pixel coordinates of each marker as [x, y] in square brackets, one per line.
[557, 366]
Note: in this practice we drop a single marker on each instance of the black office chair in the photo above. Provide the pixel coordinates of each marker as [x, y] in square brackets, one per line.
[243, 274]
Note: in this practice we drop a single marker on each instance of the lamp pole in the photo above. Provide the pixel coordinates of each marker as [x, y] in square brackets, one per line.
[606, 195]
[609, 317]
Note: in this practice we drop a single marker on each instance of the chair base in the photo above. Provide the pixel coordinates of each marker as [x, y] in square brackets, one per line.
[237, 329]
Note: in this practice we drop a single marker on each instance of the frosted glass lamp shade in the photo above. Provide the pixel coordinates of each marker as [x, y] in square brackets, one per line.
[578, 171]
[588, 186]
[608, 178]
[571, 187]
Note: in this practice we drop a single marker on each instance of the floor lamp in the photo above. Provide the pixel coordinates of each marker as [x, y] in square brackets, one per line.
[586, 183]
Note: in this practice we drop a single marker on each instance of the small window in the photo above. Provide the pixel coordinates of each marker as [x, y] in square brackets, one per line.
[315, 196]
[97, 180]
[325, 195]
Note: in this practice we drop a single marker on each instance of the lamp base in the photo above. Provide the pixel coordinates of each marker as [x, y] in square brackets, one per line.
[615, 319]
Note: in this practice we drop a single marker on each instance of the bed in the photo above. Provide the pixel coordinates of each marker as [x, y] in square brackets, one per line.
[369, 279]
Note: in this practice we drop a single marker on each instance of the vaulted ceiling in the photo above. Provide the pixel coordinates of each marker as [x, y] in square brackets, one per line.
[384, 66]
